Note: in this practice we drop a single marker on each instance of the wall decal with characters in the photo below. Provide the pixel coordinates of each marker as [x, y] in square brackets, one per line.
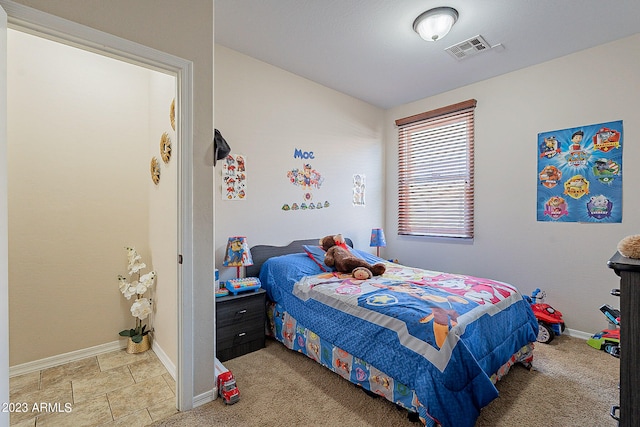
[308, 180]
[359, 189]
[580, 174]
[234, 177]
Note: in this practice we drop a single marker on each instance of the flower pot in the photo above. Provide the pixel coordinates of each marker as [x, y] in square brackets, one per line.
[140, 347]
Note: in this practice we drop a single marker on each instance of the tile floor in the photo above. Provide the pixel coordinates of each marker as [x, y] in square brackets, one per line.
[111, 389]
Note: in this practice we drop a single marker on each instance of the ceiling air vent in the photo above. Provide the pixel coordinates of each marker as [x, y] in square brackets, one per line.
[470, 47]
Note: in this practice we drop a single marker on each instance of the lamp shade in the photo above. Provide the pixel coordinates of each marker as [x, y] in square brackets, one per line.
[237, 253]
[377, 238]
[434, 24]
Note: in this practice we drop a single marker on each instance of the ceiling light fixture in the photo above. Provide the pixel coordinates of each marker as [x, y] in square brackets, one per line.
[434, 24]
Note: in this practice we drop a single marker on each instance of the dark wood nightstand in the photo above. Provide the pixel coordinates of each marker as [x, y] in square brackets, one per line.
[628, 269]
[240, 323]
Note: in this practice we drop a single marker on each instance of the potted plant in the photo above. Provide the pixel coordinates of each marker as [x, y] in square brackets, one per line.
[141, 307]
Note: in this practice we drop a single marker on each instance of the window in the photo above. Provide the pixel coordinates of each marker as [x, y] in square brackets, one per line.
[435, 172]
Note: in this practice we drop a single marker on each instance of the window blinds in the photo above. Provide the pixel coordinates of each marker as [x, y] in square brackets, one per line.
[435, 172]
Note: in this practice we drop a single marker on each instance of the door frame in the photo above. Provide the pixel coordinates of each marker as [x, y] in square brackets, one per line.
[4, 246]
[41, 24]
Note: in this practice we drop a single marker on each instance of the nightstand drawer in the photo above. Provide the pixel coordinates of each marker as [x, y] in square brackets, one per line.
[243, 310]
[240, 323]
[230, 337]
[240, 349]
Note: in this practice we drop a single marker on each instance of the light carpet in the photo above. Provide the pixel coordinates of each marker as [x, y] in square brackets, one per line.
[571, 384]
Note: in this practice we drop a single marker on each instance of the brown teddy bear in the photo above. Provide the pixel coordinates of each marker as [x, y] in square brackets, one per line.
[630, 246]
[337, 255]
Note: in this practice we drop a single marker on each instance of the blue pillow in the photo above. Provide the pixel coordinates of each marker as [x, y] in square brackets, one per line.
[370, 258]
[316, 253]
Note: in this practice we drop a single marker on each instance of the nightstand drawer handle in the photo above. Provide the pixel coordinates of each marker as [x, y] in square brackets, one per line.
[241, 312]
[242, 334]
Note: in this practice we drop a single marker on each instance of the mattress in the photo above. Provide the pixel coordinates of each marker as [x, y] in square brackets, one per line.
[432, 342]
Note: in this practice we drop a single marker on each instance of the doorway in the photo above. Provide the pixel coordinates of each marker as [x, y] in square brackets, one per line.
[80, 191]
[52, 28]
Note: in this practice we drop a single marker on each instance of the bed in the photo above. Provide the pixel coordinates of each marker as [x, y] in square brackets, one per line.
[431, 342]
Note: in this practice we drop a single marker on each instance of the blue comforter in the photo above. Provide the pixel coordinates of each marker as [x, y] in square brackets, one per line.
[443, 335]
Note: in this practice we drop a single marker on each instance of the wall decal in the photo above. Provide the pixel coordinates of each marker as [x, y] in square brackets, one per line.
[580, 174]
[165, 147]
[358, 189]
[172, 114]
[309, 181]
[234, 178]
[155, 170]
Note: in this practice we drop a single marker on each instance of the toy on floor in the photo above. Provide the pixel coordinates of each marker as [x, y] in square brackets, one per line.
[227, 388]
[608, 339]
[612, 314]
[550, 322]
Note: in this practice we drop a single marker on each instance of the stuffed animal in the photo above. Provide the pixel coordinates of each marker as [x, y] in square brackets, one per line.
[630, 246]
[337, 255]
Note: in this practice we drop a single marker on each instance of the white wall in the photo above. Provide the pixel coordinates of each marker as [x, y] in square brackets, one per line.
[265, 113]
[567, 260]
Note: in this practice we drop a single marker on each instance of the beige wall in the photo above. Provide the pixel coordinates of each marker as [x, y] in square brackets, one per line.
[83, 129]
[568, 260]
[163, 218]
[265, 113]
[186, 32]
[78, 193]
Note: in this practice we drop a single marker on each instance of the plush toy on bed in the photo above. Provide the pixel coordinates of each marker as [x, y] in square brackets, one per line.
[337, 255]
[630, 246]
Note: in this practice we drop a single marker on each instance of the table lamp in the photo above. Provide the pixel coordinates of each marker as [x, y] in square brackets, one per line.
[237, 254]
[377, 239]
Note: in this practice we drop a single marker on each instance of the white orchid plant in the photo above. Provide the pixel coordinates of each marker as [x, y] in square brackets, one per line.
[141, 307]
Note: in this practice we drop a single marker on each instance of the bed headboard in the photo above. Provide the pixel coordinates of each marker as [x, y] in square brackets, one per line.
[261, 253]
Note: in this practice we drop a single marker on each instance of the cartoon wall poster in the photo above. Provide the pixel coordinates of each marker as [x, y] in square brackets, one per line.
[580, 174]
[234, 177]
[358, 189]
[308, 180]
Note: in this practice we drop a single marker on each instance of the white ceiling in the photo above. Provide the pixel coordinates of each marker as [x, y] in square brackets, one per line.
[368, 49]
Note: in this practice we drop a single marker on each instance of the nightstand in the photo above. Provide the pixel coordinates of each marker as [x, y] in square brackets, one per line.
[240, 321]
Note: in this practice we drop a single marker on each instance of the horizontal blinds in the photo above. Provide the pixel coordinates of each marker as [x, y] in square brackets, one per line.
[435, 173]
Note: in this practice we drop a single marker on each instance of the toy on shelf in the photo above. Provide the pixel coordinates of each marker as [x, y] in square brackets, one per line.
[222, 292]
[550, 322]
[240, 285]
[608, 339]
[219, 291]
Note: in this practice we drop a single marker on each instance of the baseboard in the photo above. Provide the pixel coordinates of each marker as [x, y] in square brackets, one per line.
[203, 398]
[578, 334]
[61, 359]
[165, 360]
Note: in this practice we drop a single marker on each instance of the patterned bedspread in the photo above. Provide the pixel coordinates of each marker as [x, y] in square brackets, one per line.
[442, 335]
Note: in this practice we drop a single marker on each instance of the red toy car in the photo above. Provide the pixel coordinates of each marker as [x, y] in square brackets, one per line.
[550, 322]
[227, 388]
